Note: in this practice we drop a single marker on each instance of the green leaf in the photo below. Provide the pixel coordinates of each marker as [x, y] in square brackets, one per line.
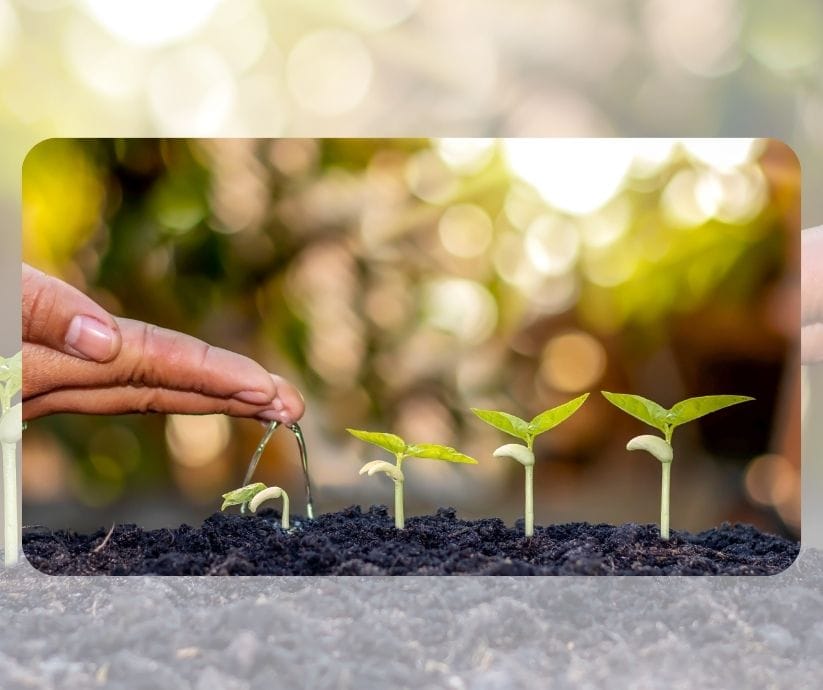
[507, 423]
[694, 408]
[11, 373]
[645, 410]
[242, 495]
[433, 451]
[390, 442]
[551, 418]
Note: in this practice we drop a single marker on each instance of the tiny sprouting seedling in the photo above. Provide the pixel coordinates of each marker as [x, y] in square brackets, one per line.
[666, 421]
[255, 495]
[11, 430]
[527, 432]
[304, 461]
[402, 450]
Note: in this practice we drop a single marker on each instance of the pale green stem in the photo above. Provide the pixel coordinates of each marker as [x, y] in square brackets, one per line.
[664, 500]
[11, 533]
[529, 500]
[284, 520]
[399, 517]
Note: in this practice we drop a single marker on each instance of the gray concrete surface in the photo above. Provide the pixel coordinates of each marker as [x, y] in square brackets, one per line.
[357, 633]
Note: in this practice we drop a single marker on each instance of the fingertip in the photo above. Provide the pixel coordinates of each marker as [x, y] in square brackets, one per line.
[92, 338]
[288, 401]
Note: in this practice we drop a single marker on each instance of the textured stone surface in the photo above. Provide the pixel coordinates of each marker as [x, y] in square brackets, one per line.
[487, 633]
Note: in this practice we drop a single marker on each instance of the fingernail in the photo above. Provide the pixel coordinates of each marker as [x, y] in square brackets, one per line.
[253, 397]
[278, 405]
[89, 338]
[274, 416]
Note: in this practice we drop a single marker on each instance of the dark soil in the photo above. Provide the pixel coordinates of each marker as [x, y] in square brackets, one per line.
[352, 542]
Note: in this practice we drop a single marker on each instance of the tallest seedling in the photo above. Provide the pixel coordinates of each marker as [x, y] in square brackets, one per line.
[666, 421]
[11, 429]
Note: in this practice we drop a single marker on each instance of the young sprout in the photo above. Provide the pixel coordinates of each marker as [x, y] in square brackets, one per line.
[255, 495]
[11, 430]
[402, 450]
[527, 432]
[666, 421]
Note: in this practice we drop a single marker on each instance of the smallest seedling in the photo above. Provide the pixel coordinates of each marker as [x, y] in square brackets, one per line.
[255, 495]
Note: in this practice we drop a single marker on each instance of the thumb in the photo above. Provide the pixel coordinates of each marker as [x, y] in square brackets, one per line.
[61, 317]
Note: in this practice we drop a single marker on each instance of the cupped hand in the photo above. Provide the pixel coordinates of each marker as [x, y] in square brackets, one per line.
[78, 358]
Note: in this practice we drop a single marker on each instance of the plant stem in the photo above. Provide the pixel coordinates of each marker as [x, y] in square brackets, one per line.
[11, 533]
[284, 519]
[399, 518]
[529, 500]
[664, 500]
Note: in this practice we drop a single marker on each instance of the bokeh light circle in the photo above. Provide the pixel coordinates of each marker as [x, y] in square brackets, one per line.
[191, 91]
[377, 15]
[9, 31]
[329, 71]
[552, 245]
[464, 308]
[572, 361]
[465, 230]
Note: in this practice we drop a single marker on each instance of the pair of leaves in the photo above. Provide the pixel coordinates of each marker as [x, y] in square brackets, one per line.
[397, 446]
[526, 431]
[662, 419]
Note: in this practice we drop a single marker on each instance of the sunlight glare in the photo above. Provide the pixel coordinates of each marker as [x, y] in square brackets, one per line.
[466, 156]
[723, 153]
[151, 22]
[573, 175]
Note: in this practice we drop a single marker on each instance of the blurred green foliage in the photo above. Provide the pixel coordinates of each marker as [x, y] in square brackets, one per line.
[383, 276]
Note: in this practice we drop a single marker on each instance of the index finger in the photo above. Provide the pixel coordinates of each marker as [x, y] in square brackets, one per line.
[154, 357]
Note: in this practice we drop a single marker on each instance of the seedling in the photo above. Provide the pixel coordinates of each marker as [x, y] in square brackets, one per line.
[304, 461]
[11, 430]
[666, 421]
[527, 432]
[402, 450]
[255, 495]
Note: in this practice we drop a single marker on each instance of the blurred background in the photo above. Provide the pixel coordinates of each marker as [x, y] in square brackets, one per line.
[410, 67]
[399, 282]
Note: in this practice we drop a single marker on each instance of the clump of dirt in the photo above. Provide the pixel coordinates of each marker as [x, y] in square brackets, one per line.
[353, 542]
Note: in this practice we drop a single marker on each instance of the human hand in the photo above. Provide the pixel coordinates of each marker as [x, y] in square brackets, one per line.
[78, 358]
[811, 295]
